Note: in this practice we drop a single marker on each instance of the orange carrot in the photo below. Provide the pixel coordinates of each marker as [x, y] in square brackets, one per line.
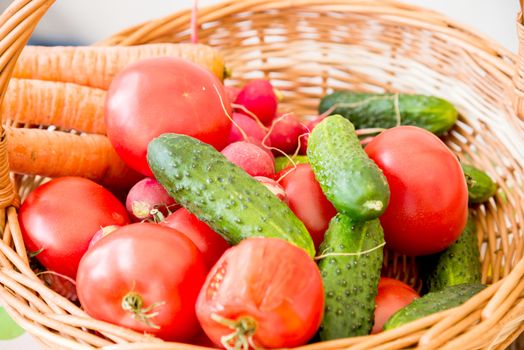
[65, 105]
[56, 153]
[96, 66]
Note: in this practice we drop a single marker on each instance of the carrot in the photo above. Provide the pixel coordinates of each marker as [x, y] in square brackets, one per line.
[96, 66]
[56, 153]
[65, 105]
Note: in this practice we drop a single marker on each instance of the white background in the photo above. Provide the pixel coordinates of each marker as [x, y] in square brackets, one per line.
[81, 21]
[89, 21]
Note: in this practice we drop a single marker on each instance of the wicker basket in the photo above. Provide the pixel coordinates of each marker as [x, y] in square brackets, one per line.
[306, 48]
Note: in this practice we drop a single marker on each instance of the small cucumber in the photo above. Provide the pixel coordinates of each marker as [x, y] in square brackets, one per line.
[223, 195]
[350, 282]
[369, 110]
[458, 264]
[433, 302]
[349, 179]
[480, 186]
[283, 162]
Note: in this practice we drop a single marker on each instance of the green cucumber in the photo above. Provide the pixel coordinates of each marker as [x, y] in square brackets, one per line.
[433, 302]
[223, 195]
[350, 282]
[480, 186]
[350, 180]
[458, 264]
[371, 110]
[283, 162]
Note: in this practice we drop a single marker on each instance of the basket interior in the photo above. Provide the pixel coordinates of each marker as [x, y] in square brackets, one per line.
[307, 52]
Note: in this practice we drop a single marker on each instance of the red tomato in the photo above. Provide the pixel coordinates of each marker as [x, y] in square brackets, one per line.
[428, 207]
[210, 243]
[392, 296]
[266, 287]
[202, 339]
[145, 277]
[307, 201]
[60, 218]
[162, 95]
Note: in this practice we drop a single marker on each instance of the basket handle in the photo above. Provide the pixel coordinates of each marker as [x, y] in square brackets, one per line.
[17, 23]
[518, 77]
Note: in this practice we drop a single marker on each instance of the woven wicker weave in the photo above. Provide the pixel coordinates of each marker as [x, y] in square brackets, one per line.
[308, 48]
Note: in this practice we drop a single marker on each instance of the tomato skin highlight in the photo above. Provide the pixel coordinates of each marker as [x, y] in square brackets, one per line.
[428, 207]
[164, 95]
[59, 219]
[307, 201]
[392, 296]
[270, 282]
[210, 243]
[159, 264]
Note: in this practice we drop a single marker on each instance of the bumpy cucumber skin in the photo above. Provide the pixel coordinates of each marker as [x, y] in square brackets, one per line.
[431, 303]
[350, 180]
[223, 195]
[378, 110]
[480, 186]
[283, 162]
[350, 282]
[459, 264]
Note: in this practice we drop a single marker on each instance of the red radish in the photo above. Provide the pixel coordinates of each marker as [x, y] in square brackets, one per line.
[260, 99]
[307, 200]
[253, 159]
[232, 92]
[249, 126]
[310, 125]
[284, 133]
[274, 187]
[104, 231]
[264, 145]
[210, 243]
[146, 195]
